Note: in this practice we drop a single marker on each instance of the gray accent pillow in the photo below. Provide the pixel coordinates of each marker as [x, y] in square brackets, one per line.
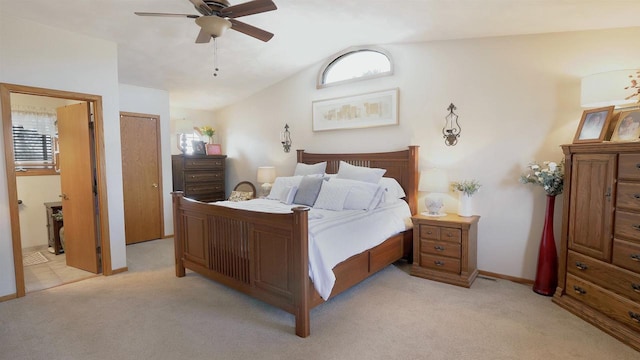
[308, 190]
[310, 169]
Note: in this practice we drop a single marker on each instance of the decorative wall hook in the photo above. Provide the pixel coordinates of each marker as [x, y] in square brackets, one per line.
[285, 138]
[451, 130]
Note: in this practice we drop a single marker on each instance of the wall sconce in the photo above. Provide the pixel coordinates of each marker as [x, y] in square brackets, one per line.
[451, 129]
[436, 183]
[620, 88]
[266, 175]
[285, 138]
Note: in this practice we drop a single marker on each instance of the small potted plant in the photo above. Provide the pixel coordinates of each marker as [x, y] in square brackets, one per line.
[466, 188]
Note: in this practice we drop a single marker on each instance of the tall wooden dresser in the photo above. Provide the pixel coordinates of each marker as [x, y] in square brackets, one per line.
[599, 264]
[200, 177]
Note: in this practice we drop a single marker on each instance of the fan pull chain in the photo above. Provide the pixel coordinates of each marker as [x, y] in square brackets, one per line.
[215, 57]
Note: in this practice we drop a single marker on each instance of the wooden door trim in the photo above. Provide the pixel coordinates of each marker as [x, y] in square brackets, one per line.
[103, 215]
[159, 157]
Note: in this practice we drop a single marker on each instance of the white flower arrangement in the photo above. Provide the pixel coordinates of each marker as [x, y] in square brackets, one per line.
[550, 177]
[468, 187]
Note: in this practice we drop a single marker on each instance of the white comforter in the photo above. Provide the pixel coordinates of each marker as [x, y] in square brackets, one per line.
[335, 236]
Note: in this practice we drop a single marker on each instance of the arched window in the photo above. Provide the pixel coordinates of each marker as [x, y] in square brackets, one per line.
[357, 63]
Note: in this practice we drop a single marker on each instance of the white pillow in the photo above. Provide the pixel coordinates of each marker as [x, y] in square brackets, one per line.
[307, 169]
[332, 196]
[393, 190]
[360, 173]
[288, 195]
[281, 184]
[362, 195]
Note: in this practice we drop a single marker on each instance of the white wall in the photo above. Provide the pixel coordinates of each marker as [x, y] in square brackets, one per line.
[35, 55]
[518, 99]
[34, 191]
[186, 119]
[154, 102]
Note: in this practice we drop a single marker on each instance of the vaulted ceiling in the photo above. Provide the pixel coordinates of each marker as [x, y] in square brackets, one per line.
[160, 52]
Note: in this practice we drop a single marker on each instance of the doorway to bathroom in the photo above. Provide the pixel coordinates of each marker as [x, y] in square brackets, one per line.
[79, 191]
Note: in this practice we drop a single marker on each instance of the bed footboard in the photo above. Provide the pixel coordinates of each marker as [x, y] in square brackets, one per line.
[261, 254]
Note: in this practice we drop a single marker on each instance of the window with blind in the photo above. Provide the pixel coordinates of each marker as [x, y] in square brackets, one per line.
[34, 143]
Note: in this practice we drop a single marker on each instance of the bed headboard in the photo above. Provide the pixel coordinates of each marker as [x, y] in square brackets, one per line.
[400, 165]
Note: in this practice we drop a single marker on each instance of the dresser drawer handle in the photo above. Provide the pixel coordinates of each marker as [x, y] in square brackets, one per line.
[579, 290]
[581, 266]
[429, 233]
[637, 196]
[449, 234]
[439, 248]
[438, 263]
[636, 226]
[635, 257]
[638, 165]
[635, 287]
[634, 316]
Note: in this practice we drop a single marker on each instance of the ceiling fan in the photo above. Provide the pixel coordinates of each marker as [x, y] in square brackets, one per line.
[218, 16]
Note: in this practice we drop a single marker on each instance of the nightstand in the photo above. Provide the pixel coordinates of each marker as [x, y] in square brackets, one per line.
[445, 248]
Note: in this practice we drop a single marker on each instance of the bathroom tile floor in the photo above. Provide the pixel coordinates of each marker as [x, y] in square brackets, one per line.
[52, 273]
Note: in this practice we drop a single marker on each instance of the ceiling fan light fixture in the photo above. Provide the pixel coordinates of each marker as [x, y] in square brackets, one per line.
[216, 26]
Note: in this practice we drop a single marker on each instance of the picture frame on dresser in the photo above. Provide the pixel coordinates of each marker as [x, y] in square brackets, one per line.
[627, 127]
[594, 125]
[198, 147]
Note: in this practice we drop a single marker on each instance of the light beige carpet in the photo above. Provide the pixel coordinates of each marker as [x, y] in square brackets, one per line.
[148, 313]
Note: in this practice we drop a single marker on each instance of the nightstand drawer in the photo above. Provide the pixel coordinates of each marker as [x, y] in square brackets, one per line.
[429, 232]
[450, 234]
[440, 248]
[200, 176]
[440, 263]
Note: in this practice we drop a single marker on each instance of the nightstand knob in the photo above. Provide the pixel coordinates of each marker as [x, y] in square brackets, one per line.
[634, 316]
[635, 257]
[438, 263]
[635, 287]
[438, 248]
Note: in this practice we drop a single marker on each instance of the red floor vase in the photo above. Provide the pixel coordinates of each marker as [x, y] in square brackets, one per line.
[547, 270]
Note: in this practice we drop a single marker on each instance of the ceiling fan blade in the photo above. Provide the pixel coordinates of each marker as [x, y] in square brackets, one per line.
[250, 30]
[166, 15]
[203, 37]
[202, 7]
[248, 8]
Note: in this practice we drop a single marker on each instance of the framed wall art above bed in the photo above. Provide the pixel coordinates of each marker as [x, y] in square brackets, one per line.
[357, 111]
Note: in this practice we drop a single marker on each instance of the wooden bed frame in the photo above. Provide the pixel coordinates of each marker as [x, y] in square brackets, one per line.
[266, 255]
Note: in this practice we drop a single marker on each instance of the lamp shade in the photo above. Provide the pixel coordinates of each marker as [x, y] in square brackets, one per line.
[213, 25]
[617, 88]
[266, 174]
[434, 180]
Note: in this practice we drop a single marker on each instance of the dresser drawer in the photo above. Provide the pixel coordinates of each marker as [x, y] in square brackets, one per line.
[202, 176]
[203, 164]
[429, 232]
[608, 276]
[626, 254]
[628, 196]
[203, 188]
[614, 306]
[629, 166]
[440, 248]
[440, 263]
[627, 225]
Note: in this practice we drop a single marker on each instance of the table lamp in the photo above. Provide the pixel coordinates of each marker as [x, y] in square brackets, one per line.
[266, 176]
[435, 182]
